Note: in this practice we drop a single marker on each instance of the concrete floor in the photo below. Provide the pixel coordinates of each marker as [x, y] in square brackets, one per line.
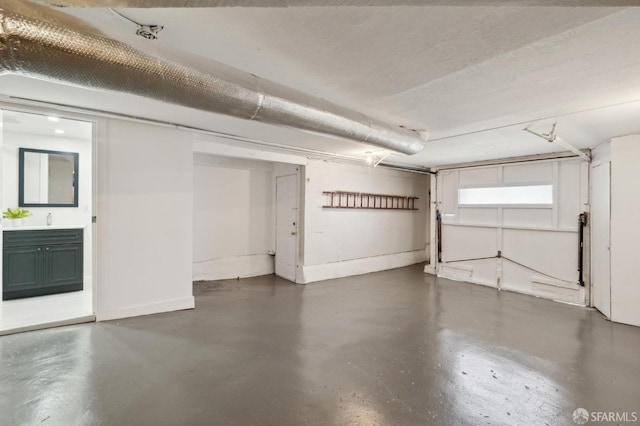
[391, 348]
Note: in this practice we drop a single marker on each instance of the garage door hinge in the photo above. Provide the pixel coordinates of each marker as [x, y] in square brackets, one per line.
[582, 222]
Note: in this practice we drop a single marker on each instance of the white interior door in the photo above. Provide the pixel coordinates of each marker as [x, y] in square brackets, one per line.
[286, 226]
[600, 237]
[515, 226]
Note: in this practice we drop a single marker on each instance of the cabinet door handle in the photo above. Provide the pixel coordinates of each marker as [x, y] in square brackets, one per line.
[47, 249]
[39, 249]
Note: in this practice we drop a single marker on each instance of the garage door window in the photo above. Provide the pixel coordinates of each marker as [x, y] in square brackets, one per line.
[501, 195]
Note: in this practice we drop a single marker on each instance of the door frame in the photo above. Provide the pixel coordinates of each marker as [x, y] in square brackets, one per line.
[98, 134]
[592, 300]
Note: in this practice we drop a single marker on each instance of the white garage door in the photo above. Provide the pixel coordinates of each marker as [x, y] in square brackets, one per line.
[515, 226]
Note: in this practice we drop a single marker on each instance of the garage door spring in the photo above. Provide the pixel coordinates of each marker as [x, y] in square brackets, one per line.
[501, 256]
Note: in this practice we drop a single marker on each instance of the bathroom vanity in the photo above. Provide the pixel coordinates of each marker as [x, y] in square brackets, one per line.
[42, 260]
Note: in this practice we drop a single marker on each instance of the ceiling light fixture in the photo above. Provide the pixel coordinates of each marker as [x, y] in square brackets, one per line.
[375, 159]
[59, 131]
[150, 32]
[52, 118]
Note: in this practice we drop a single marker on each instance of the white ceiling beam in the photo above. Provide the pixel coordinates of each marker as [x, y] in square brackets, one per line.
[207, 145]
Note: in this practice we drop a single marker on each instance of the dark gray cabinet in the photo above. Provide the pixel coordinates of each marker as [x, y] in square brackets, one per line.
[40, 262]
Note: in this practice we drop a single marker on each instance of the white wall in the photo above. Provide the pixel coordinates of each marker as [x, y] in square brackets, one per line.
[347, 242]
[601, 154]
[625, 229]
[80, 215]
[233, 217]
[145, 215]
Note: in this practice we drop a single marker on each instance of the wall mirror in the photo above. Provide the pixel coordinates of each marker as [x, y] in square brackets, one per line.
[47, 178]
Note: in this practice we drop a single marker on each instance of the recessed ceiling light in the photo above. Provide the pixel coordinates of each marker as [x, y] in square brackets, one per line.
[59, 131]
[51, 118]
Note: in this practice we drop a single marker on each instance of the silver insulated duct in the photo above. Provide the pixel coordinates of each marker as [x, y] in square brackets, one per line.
[39, 42]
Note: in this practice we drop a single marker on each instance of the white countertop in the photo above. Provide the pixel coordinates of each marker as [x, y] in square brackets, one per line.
[39, 227]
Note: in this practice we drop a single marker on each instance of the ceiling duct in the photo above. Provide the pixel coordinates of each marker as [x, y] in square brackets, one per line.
[39, 42]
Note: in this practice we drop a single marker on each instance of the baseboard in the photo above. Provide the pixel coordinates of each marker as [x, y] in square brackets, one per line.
[365, 265]
[50, 324]
[148, 309]
[233, 267]
[621, 319]
[430, 269]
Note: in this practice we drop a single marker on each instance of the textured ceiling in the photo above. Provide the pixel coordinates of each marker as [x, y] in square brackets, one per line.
[473, 76]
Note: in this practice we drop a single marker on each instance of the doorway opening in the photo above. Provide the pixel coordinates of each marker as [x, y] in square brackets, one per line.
[46, 163]
[246, 218]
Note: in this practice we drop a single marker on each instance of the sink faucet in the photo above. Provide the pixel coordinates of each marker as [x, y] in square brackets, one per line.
[49, 219]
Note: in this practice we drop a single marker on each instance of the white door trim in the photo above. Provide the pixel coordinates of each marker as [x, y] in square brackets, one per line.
[601, 300]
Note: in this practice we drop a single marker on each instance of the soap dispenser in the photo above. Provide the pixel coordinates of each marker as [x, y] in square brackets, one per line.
[49, 219]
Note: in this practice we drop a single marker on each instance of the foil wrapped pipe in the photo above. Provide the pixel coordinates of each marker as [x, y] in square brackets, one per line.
[40, 42]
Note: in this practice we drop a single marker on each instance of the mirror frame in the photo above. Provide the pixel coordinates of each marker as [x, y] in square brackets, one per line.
[21, 203]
